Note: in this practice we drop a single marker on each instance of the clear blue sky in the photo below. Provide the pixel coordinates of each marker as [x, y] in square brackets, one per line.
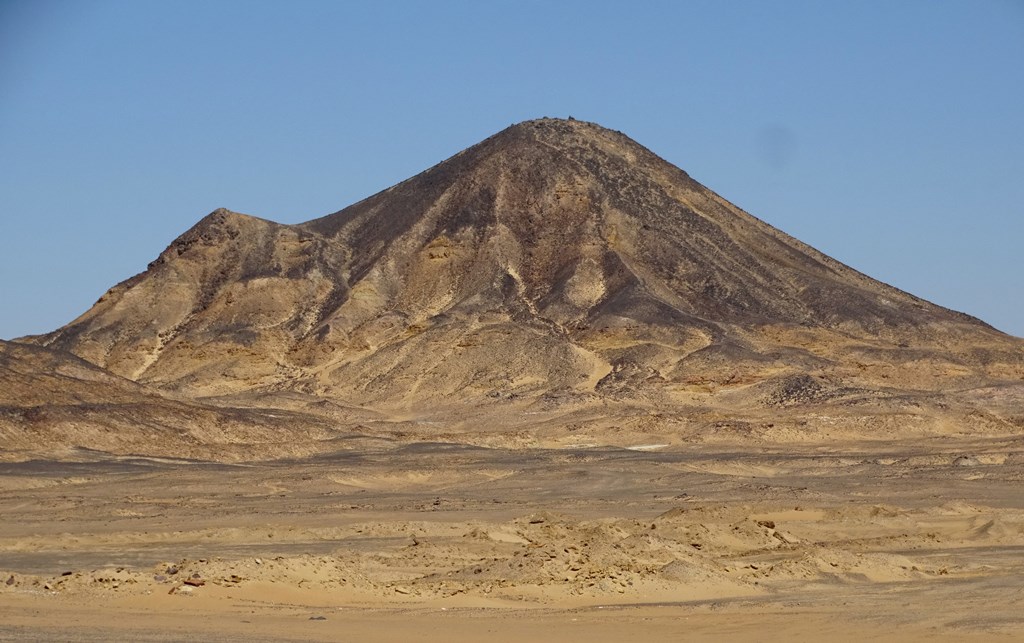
[889, 135]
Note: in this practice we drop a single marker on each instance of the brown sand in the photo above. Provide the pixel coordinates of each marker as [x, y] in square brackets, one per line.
[904, 541]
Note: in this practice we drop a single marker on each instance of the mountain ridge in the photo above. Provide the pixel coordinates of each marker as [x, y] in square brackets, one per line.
[553, 255]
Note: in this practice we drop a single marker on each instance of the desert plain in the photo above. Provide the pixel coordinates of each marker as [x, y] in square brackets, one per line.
[383, 540]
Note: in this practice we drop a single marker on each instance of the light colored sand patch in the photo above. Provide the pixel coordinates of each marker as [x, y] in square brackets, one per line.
[647, 447]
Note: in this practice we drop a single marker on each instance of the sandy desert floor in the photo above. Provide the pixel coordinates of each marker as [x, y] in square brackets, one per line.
[387, 541]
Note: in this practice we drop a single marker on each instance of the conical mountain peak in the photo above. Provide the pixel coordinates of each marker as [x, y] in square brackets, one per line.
[559, 132]
[556, 254]
[578, 140]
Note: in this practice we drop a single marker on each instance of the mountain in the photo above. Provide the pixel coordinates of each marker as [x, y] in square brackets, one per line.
[53, 402]
[555, 263]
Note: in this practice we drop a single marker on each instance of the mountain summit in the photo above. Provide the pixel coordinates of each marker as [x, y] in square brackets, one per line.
[555, 257]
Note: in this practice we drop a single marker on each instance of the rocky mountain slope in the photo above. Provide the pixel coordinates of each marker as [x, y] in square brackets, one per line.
[52, 403]
[555, 264]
